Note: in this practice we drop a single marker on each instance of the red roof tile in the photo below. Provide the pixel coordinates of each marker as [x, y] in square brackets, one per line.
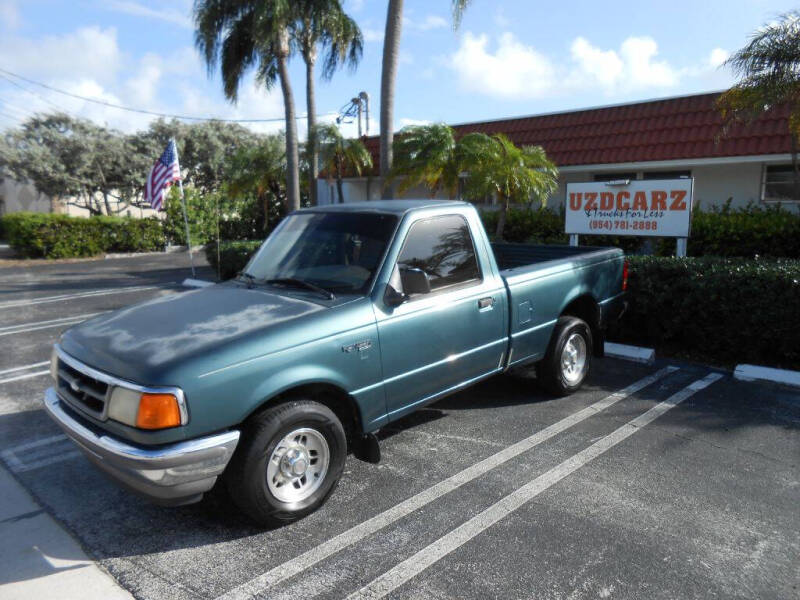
[671, 129]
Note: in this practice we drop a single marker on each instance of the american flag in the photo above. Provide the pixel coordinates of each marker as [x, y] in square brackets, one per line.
[162, 175]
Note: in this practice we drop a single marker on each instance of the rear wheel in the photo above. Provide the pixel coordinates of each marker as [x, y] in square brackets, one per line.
[568, 359]
[289, 461]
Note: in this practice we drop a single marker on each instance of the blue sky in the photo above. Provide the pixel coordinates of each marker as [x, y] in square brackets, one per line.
[514, 57]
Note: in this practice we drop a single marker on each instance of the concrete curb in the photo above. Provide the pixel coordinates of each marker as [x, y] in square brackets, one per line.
[752, 372]
[167, 250]
[197, 283]
[633, 353]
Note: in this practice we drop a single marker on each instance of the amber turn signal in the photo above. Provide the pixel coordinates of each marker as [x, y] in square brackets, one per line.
[158, 411]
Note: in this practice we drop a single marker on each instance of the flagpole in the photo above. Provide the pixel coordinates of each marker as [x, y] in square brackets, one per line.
[183, 204]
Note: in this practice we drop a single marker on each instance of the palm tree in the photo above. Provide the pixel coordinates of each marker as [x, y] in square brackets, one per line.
[323, 23]
[339, 155]
[253, 34]
[258, 170]
[495, 165]
[391, 53]
[769, 71]
[426, 155]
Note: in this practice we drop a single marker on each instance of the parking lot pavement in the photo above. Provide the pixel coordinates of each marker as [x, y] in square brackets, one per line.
[659, 481]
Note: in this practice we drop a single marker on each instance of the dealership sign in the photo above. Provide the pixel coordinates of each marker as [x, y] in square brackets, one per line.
[656, 207]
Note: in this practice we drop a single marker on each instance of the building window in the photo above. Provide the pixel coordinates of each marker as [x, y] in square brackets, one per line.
[614, 176]
[779, 184]
[666, 175]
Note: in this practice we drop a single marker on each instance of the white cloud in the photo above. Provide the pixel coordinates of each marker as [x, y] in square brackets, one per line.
[405, 122]
[633, 67]
[639, 53]
[372, 35]
[161, 13]
[500, 18]
[717, 57]
[426, 24]
[89, 63]
[87, 52]
[9, 14]
[513, 70]
[354, 5]
[603, 65]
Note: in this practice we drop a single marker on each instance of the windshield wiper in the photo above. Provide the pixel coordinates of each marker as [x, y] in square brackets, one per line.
[304, 284]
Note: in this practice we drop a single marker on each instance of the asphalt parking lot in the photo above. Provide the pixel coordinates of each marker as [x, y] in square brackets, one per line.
[661, 481]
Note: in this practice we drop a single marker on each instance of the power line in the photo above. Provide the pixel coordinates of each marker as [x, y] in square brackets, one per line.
[139, 110]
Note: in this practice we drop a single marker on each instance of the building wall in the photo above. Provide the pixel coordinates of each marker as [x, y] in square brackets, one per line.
[16, 197]
[21, 197]
[713, 184]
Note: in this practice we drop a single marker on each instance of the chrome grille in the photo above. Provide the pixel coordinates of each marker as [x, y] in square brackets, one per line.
[82, 391]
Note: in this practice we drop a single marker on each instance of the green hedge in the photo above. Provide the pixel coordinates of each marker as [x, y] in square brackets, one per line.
[722, 310]
[749, 231]
[233, 256]
[37, 235]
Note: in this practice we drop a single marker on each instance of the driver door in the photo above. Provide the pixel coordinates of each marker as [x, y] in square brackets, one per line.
[434, 342]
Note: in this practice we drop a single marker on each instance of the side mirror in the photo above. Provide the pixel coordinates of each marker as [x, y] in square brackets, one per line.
[415, 281]
[393, 298]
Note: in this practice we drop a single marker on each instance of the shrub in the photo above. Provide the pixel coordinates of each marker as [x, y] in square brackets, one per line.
[748, 232]
[233, 256]
[725, 310]
[37, 235]
[201, 210]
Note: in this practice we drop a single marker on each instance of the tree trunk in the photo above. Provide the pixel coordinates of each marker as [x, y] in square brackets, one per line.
[107, 203]
[501, 220]
[292, 166]
[391, 50]
[339, 186]
[311, 119]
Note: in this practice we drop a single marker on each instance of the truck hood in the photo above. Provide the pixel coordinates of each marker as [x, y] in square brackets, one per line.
[143, 342]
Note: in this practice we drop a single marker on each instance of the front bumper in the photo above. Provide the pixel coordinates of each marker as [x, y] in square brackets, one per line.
[172, 474]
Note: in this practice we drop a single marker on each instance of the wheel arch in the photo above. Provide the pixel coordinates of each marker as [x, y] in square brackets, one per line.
[343, 404]
[585, 307]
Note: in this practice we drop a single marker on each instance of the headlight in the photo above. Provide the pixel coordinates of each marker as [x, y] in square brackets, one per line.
[54, 365]
[123, 405]
[144, 410]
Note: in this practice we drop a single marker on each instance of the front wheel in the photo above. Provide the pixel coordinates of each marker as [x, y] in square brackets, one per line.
[566, 364]
[288, 463]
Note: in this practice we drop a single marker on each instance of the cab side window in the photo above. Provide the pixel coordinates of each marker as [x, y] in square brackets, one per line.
[443, 248]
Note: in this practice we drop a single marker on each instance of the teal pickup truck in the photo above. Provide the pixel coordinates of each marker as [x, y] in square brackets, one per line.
[347, 318]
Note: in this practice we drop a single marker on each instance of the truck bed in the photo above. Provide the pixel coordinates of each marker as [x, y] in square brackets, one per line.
[514, 256]
[542, 280]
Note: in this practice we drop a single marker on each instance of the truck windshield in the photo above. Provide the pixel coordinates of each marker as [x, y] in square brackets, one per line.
[339, 252]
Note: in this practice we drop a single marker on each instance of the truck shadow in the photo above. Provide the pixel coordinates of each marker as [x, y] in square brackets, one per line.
[112, 524]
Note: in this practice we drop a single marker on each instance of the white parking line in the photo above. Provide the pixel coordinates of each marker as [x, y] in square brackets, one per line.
[37, 325]
[25, 376]
[23, 368]
[47, 299]
[409, 568]
[40, 453]
[351, 536]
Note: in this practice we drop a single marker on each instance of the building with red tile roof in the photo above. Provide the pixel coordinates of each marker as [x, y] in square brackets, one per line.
[670, 137]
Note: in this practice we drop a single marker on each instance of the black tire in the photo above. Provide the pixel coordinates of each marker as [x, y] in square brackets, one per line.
[246, 475]
[549, 371]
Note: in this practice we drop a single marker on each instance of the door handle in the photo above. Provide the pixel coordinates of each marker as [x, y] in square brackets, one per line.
[485, 303]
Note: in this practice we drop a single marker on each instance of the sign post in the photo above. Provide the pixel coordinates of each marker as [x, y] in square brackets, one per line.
[651, 208]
